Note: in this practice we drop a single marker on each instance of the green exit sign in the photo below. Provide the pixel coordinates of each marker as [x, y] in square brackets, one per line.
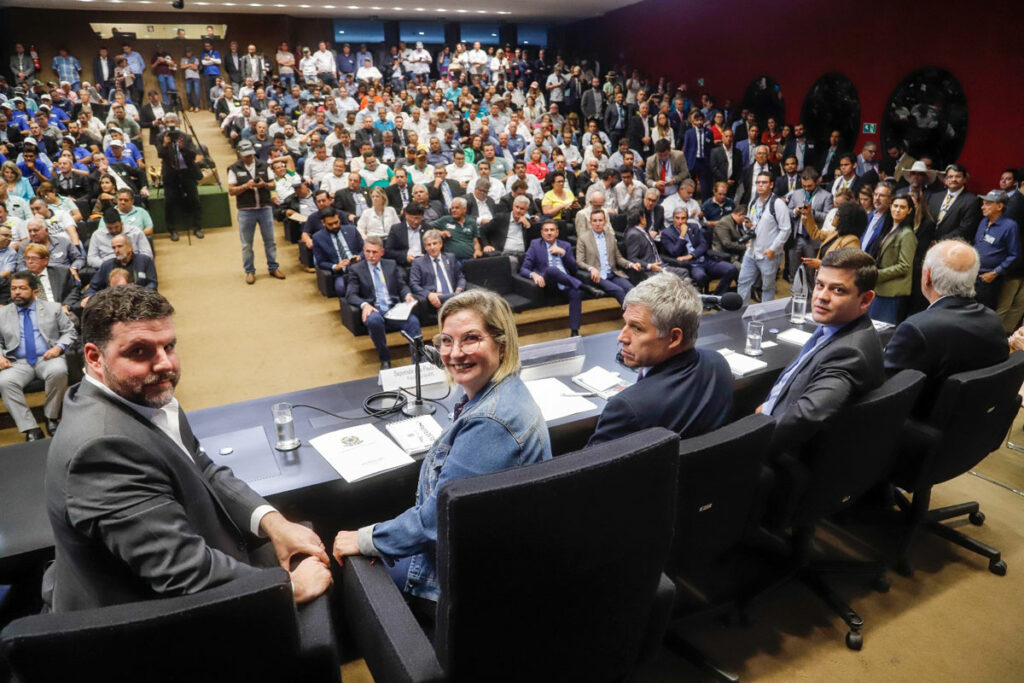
[870, 128]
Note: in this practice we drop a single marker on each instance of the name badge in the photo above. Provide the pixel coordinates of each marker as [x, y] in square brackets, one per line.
[990, 239]
[141, 275]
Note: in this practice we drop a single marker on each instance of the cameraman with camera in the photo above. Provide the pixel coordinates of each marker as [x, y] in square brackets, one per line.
[768, 217]
[180, 174]
[731, 235]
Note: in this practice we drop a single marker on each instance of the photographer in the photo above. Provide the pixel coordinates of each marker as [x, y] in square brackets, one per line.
[249, 182]
[731, 235]
[180, 174]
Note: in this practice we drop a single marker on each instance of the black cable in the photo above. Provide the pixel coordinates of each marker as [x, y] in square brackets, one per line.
[397, 403]
[432, 400]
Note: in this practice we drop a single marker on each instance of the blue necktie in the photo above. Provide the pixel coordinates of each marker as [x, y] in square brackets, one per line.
[441, 281]
[341, 246]
[383, 298]
[446, 192]
[28, 335]
[783, 381]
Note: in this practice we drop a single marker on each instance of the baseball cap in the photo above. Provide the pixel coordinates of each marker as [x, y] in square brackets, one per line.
[245, 148]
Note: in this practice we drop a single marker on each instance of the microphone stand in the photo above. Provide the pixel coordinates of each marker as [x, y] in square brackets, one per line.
[417, 407]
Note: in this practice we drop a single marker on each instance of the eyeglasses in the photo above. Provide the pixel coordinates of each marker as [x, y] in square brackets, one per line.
[469, 342]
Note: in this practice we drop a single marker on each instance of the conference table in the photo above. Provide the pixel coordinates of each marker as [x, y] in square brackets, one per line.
[303, 485]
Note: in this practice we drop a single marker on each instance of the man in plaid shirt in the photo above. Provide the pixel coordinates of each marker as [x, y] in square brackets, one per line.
[67, 68]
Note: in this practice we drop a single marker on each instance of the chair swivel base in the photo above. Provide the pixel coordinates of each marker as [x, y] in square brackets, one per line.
[813, 575]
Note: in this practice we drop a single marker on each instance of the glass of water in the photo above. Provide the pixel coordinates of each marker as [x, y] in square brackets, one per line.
[798, 311]
[755, 333]
[285, 424]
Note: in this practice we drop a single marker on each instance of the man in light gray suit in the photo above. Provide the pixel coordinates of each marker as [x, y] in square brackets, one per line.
[138, 510]
[34, 334]
[817, 200]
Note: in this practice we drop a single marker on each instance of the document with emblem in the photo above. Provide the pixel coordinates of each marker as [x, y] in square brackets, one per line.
[360, 452]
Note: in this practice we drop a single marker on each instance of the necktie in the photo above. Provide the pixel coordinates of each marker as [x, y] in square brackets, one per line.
[792, 184]
[28, 335]
[446, 192]
[946, 203]
[42, 291]
[783, 381]
[383, 298]
[341, 246]
[556, 261]
[700, 144]
[442, 281]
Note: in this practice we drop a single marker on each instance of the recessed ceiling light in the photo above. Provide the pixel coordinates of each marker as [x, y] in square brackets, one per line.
[202, 3]
[422, 33]
[145, 2]
[353, 7]
[420, 9]
[442, 10]
[462, 11]
[396, 8]
[481, 11]
[229, 4]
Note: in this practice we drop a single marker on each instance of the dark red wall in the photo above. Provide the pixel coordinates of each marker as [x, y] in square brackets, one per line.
[874, 43]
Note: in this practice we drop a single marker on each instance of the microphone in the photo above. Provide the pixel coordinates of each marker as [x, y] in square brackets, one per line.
[730, 301]
[428, 353]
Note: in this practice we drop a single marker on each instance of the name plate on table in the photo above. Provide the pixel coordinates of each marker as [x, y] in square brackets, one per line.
[552, 358]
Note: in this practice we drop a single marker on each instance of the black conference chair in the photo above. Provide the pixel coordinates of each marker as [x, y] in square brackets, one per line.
[325, 283]
[547, 572]
[852, 454]
[495, 273]
[969, 419]
[245, 630]
[722, 482]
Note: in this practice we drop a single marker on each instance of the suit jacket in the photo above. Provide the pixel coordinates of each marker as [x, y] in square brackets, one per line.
[396, 246]
[134, 517]
[55, 326]
[782, 185]
[344, 200]
[748, 181]
[234, 72]
[434, 192]
[635, 133]
[588, 256]
[423, 280]
[952, 335]
[590, 107]
[720, 165]
[674, 245]
[396, 149]
[744, 148]
[821, 204]
[97, 70]
[680, 169]
[395, 196]
[142, 269]
[495, 233]
[810, 153]
[188, 153]
[146, 120]
[962, 218]
[325, 254]
[895, 262]
[254, 69]
[505, 203]
[363, 135]
[359, 288]
[536, 259]
[473, 208]
[640, 248]
[848, 365]
[690, 145]
[690, 393]
[66, 290]
[611, 117]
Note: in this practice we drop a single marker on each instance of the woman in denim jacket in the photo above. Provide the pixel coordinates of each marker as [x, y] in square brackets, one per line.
[496, 425]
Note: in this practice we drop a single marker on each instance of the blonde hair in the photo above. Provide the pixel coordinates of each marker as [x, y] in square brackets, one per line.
[497, 318]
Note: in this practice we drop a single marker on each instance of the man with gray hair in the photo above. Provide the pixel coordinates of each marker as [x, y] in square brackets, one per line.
[955, 333]
[679, 387]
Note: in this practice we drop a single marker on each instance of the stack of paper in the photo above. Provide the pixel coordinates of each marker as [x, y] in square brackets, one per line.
[741, 364]
[360, 452]
[555, 399]
[416, 434]
[602, 382]
[794, 336]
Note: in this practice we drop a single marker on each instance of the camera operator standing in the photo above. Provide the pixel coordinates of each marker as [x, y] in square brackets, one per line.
[768, 217]
[180, 174]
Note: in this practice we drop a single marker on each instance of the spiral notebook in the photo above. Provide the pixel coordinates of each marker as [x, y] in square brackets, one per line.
[416, 434]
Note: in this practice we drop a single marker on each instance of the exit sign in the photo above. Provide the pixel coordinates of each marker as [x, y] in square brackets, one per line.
[870, 128]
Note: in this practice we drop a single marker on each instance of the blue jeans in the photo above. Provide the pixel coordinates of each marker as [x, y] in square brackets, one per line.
[167, 85]
[378, 326]
[192, 92]
[247, 221]
[288, 80]
[768, 269]
[209, 80]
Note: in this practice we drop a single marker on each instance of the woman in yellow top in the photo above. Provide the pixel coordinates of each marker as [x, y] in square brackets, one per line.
[558, 199]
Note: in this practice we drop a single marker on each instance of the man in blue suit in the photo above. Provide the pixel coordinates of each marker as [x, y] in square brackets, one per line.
[686, 243]
[336, 247]
[750, 143]
[375, 285]
[679, 387]
[549, 261]
[434, 276]
[697, 145]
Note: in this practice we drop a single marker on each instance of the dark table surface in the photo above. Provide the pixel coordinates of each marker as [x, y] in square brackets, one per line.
[303, 485]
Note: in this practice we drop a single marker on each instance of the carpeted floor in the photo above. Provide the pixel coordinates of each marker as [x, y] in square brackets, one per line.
[954, 621]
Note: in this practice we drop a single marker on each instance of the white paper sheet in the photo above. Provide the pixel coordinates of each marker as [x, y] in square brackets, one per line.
[555, 399]
[598, 379]
[360, 452]
[794, 336]
[400, 312]
[741, 364]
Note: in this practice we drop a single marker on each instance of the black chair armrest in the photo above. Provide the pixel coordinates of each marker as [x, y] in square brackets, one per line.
[524, 287]
[325, 282]
[661, 612]
[389, 638]
[318, 649]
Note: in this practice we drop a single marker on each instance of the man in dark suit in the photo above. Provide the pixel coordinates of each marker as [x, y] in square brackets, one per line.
[615, 118]
[436, 277]
[233, 66]
[400, 191]
[829, 161]
[654, 213]
[404, 243]
[151, 117]
[103, 72]
[352, 200]
[375, 285]
[698, 142]
[759, 165]
[177, 154]
[639, 130]
[56, 283]
[685, 242]
[955, 333]
[598, 257]
[508, 232]
[957, 212]
[789, 180]
[34, 335]
[727, 163]
[549, 261]
[800, 147]
[682, 388]
[479, 205]
[138, 510]
[841, 361]
[336, 247]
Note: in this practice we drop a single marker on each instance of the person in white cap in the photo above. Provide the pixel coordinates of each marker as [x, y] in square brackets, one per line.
[249, 182]
[421, 61]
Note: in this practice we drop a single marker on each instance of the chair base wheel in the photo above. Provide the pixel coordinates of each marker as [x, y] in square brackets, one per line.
[882, 584]
[854, 640]
[997, 567]
[977, 518]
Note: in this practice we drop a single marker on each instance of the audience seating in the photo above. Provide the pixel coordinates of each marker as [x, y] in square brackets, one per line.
[547, 572]
[245, 630]
[495, 273]
[969, 419]
[834, 470]
[721, 486]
